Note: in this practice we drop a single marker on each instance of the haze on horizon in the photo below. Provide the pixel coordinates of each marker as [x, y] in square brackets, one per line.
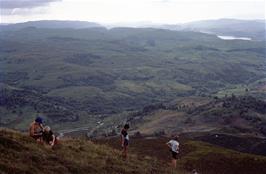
[130, 11]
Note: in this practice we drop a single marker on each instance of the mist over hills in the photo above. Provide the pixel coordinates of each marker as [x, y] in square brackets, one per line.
[254, 29]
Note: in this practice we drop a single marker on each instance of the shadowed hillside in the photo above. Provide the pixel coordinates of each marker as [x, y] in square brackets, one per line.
[238, 115]
[206, 158]
[234, 122]
[20, 154]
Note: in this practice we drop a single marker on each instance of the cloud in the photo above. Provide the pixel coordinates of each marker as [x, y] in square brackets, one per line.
[20, 4]
[23, 7]
[116, 11]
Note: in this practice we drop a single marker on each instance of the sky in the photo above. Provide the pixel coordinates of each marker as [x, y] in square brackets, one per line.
[130, 11]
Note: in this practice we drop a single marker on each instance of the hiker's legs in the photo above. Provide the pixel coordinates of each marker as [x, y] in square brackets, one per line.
[39, 141]
[38, 138]
[56, 140]
[174, 163]
[125, 149]
[124, 152]
[174, 158]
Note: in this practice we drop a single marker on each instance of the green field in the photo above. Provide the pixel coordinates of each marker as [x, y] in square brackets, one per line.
[77, 77]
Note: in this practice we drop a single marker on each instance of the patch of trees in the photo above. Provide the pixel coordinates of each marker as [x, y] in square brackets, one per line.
[99, 81]
[136, 117]
[55, 108]
[12, 78]
[245, 103]
[83, 59]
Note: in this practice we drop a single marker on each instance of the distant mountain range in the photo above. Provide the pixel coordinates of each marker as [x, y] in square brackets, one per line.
[254, 29]
[51, 24]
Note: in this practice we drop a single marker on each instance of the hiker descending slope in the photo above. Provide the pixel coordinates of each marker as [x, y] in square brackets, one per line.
[173, 144]
[125, 140]
[36, 129]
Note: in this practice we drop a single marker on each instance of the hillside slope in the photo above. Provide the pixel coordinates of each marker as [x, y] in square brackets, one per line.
[242, 115]
[20, 155]
[206, 158]
[234, 122]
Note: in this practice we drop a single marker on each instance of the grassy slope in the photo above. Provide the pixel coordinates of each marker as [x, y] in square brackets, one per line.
[243, 115]
[20, 155]
[204, 157]
[210, 159]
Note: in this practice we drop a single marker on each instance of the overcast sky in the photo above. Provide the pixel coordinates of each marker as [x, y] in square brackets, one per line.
[116, 11]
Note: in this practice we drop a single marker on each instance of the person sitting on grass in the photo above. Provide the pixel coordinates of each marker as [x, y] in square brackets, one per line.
[36, 129]
[124, 140]
[49, 137]
[173, 144]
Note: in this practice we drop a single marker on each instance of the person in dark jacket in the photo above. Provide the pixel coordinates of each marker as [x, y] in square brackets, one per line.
[49, 137]
[125, 140]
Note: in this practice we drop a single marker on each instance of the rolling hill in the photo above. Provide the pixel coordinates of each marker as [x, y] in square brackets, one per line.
[78, 77]
[236, 123]
[251, 29]
[50, 24]
[236, 115]
[254, 29]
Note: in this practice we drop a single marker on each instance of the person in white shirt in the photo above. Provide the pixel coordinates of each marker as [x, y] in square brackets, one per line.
[173, 144]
